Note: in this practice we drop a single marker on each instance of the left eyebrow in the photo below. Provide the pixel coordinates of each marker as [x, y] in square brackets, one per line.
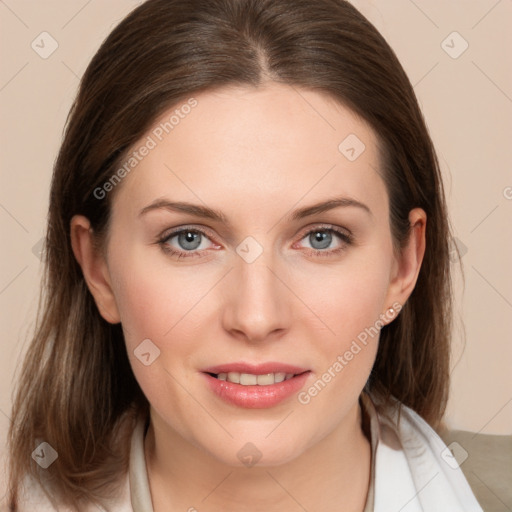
[328, 205]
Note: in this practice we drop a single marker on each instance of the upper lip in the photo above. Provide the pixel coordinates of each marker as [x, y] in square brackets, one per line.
[255, 369]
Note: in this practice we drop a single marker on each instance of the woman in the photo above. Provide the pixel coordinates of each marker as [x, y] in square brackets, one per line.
[248, 299]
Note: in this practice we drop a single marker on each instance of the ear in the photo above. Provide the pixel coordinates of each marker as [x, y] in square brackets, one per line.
[407, 264]
[94, 268]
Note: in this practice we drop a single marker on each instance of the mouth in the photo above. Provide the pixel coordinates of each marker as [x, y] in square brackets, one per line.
[255, 386]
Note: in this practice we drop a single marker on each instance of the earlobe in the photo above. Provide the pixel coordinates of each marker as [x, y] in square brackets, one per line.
[408, 264]
[94, 268]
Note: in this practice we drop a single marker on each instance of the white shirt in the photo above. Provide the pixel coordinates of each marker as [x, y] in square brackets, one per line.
[412, 470]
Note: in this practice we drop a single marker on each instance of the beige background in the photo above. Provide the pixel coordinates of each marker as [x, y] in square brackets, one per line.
[467, 102]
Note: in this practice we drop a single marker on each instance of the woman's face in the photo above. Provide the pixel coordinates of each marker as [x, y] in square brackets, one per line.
[284, 266]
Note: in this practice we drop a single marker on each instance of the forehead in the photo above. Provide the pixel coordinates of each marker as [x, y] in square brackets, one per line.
[259, 147]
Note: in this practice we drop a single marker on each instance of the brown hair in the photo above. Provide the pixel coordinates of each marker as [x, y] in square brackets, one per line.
[76, 388]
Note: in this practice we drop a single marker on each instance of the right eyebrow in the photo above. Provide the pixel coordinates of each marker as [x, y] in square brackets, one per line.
[181, 206]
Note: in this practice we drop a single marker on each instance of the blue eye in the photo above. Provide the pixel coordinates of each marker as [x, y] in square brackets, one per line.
[189, 242]
[321, 240]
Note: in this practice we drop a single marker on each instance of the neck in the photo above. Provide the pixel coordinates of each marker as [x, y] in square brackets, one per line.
[332, 475]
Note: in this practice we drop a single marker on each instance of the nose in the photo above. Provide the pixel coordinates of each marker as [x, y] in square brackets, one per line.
[256, 303]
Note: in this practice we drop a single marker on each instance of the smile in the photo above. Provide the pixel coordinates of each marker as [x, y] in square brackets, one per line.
[255, 386]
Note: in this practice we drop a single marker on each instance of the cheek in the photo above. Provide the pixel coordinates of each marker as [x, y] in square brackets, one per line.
[344, 360]
[349, 301]
[168, 307]
[359, 302]
[152, 297]
[152, 303]
[347, 298]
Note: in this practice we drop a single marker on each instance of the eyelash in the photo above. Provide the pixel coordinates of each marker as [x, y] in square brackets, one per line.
[346, 239]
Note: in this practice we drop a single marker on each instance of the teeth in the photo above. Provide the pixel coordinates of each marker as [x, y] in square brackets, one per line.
[234, 377]
[265, 380]
[279, 377]
[248, 379]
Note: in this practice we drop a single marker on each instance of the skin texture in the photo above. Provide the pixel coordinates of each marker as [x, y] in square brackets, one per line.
[256, 155]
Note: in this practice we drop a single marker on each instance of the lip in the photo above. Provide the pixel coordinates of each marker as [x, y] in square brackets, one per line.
[255, 397]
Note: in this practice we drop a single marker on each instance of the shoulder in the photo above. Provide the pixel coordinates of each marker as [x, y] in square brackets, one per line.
[414, 469]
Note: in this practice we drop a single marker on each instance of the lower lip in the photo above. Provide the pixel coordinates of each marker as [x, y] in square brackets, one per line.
[256, 397]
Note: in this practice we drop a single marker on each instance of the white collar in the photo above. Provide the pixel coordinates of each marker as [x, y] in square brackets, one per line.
[414, 470]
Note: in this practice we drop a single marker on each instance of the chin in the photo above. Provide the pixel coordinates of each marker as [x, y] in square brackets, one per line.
[256, 451]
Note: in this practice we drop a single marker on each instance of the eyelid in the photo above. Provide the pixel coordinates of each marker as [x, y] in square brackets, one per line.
[320, 226]
[168, 233]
